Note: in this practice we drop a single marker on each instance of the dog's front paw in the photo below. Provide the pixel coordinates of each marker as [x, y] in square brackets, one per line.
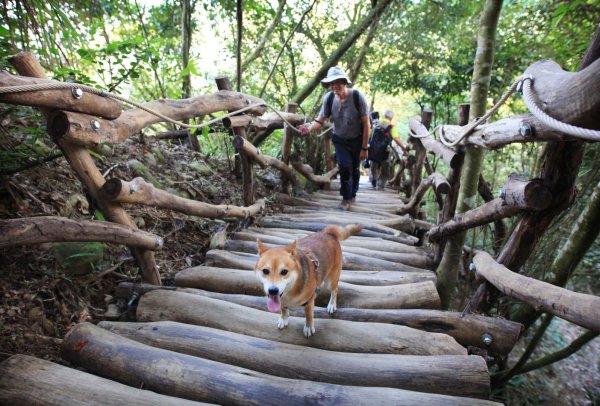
[282, 323]
[308, 331]
[331, 308]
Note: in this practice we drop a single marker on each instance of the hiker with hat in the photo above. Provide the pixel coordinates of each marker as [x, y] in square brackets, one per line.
[384, 132]
[349, 111]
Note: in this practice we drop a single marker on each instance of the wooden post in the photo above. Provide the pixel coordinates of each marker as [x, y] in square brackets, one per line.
[454, 180]
[560, 166]
[286, 149]
[417, 168]
[223, 83]
[84, 167]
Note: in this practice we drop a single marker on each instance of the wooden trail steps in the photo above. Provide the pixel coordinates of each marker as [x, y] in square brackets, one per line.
[211, 339]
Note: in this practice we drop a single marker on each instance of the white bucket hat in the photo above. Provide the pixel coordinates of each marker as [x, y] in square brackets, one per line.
[335, 73]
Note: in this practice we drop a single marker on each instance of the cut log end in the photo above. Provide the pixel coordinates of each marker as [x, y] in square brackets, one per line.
[112, 188]
[58, 124]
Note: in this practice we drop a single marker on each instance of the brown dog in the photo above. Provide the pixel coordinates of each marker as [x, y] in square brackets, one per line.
[291, 276]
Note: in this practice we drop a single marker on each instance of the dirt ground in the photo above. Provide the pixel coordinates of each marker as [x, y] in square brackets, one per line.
[41, 299]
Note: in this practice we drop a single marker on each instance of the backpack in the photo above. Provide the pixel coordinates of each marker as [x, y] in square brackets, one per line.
[378, 145]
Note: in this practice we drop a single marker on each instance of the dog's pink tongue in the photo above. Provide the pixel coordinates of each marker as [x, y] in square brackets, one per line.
[273, 304]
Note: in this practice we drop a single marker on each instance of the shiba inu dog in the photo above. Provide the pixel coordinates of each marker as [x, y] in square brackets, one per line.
[292, 275]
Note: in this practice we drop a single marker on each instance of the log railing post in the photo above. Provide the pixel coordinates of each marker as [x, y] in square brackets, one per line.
[561, 164]
[286, 149]
[84, 167]
[420, 152]
[454, 180]
[223, 83]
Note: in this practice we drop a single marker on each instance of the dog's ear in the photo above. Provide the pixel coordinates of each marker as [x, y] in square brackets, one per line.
[291, 248]
[261, 247]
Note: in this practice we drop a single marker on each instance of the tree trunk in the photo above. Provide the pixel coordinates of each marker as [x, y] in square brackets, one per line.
[484, 57]
[358, 337]
[364, 49]
[354, 33]
[265, 37]
[26, 380]
[457, 375]
[186, 44]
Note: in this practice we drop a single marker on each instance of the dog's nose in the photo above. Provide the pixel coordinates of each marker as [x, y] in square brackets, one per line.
[273, 290]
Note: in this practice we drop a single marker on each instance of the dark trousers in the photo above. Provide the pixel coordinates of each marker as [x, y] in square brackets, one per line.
[347, 155]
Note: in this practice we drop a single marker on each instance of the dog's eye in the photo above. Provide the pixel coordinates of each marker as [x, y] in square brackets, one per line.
[283, 272]
[265, 271]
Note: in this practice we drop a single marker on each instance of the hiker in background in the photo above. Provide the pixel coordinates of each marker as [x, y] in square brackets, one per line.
[374, 120]
[383, 133]
[350, 114]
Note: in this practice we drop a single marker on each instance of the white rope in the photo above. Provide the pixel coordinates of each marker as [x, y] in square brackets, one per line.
[528, 97]
[482, 119]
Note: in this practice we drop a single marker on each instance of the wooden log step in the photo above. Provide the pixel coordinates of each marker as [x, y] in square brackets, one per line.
[406, 296]
[26, 380]
[246, 260]
[389, 226]
[392, 235]
[378, 338]
[420, 260]
[363, 197]
[330, 204]
[318, 223]
[222, 279]
[303, 210]
[200, 379]
[252, 233]
[466, 329]
[457, 375]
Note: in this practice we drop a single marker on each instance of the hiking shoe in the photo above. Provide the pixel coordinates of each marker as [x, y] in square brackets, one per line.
[374, 183]
[344, 205]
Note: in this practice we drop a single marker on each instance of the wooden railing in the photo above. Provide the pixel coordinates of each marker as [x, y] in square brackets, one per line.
[80, 120]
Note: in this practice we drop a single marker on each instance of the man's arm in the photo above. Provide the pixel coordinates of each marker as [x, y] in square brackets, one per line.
[401, 145]
[366, 127]
[314, 125]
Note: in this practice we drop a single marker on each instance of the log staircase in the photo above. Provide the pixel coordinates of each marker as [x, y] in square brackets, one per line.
[210, 339]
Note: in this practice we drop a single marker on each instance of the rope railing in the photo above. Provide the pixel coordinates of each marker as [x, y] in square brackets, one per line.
[104, 93]
[525, 84]
[578, 132]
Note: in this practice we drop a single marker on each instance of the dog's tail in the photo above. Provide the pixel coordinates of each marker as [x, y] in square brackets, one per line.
[342, 233]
